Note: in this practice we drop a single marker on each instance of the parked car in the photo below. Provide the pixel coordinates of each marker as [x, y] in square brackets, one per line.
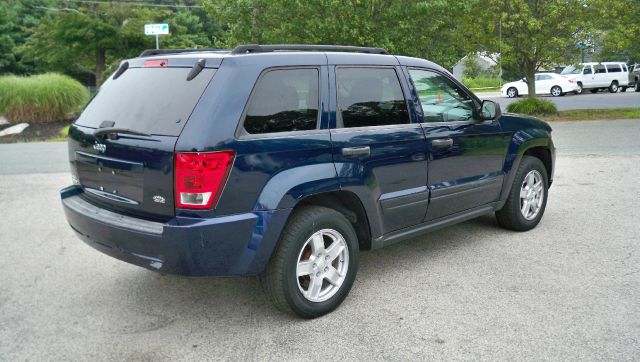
[598, 76]
[286, 161]
[546, 83]
[634, 77]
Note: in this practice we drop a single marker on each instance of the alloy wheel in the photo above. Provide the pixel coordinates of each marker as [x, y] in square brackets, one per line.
[322, 265]
[531, 195]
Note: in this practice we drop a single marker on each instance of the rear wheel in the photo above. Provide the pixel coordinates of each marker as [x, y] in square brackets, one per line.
[556, 91]
[315, 264]
[613, 87]
[512, 92]
[528, 197]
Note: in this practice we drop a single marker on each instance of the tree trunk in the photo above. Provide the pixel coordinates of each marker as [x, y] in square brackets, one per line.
[100, 62]
[530, 75]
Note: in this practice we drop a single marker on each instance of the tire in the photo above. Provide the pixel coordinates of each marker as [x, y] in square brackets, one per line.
[613, 88]
[623, 89]
[511, 215]
[636, 86]
[594, 90]
[579, 90]
[556, 91]
[297, 251]
[512, 92]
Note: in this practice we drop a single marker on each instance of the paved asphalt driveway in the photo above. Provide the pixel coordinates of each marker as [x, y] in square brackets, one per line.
[567, 290]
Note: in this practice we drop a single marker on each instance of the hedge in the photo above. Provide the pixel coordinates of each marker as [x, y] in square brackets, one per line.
[533, 106]
[43, 98]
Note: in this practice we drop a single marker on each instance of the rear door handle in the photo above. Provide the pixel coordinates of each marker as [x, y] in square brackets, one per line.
[442, 143]
[356, 151]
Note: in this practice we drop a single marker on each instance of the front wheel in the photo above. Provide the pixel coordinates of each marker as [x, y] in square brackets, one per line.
[613, 87]
[315, 264]
[528, 197]
[579, 90]
[512, 92]
[556, 91]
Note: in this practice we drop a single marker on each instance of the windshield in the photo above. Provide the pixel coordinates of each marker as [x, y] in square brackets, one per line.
[570, 69]
[149, 100]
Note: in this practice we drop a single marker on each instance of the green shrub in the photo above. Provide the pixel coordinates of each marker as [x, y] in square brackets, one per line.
[481, 82]
[533, 106]
[41, 98]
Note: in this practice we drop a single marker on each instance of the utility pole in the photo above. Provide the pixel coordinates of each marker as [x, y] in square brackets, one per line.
[500, 52]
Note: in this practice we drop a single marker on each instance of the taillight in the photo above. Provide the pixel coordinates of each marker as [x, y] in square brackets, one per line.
[570, 81]
[155, 63]
[200, 178]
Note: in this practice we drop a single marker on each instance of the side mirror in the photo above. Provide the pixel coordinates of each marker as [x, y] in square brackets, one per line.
[489, 110]
[525, 80]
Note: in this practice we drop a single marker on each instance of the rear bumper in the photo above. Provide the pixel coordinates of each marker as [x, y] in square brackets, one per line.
[230, 245]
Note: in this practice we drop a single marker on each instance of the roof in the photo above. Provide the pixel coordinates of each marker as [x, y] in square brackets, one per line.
[333, 54]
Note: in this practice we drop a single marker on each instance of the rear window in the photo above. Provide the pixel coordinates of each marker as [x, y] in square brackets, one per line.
[151, 100]
[370, 97]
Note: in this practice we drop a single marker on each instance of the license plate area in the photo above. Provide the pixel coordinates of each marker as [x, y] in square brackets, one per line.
[114, 179]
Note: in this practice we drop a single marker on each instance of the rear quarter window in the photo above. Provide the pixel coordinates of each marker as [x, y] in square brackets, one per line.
[156, 101]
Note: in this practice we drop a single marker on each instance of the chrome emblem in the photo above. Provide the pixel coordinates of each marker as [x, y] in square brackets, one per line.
[100, 147]
[159, 199]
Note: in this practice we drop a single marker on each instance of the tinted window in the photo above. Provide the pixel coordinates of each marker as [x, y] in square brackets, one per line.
[614, 68]
[599, 69]
[587, 70]
[440, 98]
[284, 100]
[370, 97]
[150, 100]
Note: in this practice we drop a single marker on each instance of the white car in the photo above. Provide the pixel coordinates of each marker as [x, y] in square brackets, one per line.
[546, 83]
[596, 76]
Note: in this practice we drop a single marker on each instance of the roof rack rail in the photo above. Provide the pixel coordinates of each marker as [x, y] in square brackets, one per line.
[151, 52]
[256, 48]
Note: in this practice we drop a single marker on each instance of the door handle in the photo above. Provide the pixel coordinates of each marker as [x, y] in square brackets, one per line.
[442, 143]
[356, 151]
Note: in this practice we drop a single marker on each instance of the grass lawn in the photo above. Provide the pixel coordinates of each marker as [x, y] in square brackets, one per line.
[595, 114]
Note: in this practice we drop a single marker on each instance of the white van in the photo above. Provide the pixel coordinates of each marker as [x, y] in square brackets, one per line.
[596, 76]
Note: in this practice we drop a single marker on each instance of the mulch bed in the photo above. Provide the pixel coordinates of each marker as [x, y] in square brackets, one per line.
[35, 132]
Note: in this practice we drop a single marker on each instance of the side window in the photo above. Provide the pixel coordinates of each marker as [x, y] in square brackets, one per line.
[440, 98]
[587, 70]
[370, 97]
[599, 69]
[284, 100]
[614, 68]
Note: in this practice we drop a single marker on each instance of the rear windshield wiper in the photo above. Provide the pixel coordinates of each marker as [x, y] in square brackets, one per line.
[115, 131]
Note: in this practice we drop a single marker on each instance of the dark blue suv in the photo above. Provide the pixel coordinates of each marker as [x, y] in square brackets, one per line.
[285, 161]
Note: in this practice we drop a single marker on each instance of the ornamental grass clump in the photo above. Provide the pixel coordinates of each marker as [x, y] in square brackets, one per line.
[43, 98]
[533, 106]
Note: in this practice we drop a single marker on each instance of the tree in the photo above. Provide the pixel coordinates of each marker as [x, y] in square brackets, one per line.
[426, 29]
[16, 17]
[617, 29]
[91, 39]
[535, 33]
[81, 40]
